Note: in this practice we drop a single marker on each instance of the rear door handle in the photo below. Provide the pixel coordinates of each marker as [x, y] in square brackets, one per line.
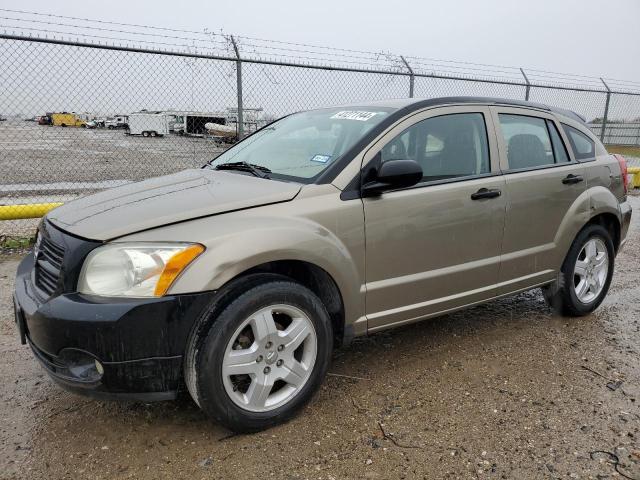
[571, 179]
[485, 193]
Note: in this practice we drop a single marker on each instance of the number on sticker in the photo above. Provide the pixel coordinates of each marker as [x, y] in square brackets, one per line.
[354, 115]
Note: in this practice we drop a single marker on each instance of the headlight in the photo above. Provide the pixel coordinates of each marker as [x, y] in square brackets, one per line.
[135, 269]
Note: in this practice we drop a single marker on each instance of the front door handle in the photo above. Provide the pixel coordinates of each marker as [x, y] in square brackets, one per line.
[571, 179]
[485, 193]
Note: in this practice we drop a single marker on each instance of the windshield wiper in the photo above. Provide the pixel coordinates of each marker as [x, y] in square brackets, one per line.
[257, 170]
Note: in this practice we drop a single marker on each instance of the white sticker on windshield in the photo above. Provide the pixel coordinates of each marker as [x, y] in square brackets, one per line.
[355, 115]
[320, 158]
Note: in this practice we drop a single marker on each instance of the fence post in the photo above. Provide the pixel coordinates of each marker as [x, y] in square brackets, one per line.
[528, 88]
[411, 76]
[606, 110]
[240, 112]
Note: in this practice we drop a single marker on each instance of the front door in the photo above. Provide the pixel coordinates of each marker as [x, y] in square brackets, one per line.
[435, 246]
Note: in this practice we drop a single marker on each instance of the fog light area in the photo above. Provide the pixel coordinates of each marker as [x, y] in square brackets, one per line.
[81, 365]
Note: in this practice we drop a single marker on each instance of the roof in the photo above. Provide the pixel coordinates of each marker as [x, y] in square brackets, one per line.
[416, 103]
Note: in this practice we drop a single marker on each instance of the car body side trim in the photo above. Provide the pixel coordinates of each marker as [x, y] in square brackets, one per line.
[467, 305]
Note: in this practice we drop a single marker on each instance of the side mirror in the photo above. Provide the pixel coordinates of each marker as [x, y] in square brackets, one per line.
[393, 174]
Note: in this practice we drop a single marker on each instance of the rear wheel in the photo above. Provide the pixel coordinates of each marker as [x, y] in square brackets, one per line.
[263, 356]
[586, 274]
[153, 134]
[145, 134]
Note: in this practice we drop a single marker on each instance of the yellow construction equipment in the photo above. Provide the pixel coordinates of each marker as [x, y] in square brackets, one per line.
[32, 210]
[635, 176]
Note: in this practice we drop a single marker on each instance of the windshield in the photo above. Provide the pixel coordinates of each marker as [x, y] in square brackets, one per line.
[299, 147]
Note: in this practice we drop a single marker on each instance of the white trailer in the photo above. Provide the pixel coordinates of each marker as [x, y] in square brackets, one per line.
[149, 124]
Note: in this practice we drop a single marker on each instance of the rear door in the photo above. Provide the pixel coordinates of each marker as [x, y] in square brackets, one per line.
[435, 246]
[543, 181]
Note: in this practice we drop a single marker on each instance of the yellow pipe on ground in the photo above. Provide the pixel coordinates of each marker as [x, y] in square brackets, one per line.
[635, 176]
[31, 210]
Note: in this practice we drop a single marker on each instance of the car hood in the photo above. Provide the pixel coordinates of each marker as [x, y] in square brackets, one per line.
[163, 200]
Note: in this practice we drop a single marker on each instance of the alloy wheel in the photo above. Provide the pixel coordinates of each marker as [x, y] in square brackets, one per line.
[591, 269]
[269, 358]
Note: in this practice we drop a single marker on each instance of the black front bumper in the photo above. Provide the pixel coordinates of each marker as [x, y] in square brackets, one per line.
[138, 343]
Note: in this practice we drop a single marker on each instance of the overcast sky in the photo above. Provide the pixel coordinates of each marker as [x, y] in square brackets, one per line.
[592, 37]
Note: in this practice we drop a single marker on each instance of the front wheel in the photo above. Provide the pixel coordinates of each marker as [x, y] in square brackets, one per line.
[263, 356]
[585, 275]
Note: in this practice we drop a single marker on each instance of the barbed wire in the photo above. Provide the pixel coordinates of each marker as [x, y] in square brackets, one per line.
[119, 39]
[106, 22]
[307, 54]
[128, 32]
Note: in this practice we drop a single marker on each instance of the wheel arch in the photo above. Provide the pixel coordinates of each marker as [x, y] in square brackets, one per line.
[596, 205]
[313, 277]
[609, 222]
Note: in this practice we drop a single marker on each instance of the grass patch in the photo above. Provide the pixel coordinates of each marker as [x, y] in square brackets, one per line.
[15, 243]
[630, 150]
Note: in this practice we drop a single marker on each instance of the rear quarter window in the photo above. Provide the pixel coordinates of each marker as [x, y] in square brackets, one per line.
[583, 147]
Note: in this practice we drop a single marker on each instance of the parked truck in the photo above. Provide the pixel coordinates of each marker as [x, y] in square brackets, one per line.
[119, 121]
[149, 124]
[65, 119]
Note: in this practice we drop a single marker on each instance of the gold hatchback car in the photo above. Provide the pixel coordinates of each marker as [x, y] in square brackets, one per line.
[238, 279]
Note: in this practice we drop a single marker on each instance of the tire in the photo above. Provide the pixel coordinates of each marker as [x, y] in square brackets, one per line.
[153, 134]
[145, 134]
[562, 295]
[63, 125]
[110, 127]
[210, 348]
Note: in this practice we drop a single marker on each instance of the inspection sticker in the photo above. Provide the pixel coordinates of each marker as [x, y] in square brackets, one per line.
[320, 158]
[361, 116]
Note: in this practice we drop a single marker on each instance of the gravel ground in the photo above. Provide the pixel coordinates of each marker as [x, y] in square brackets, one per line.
[503, 390]
[40, 154]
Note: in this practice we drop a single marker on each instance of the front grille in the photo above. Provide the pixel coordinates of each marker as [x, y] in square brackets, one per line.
[48, 265]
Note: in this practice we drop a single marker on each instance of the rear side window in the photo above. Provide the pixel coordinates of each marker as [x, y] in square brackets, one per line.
[448, 146]
[527, 140]
[583, 147]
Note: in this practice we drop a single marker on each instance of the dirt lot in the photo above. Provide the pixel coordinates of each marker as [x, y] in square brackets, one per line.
[505, 390]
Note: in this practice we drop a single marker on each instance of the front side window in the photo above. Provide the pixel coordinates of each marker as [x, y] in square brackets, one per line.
[583, 147]
[447, 146]
[301, 146]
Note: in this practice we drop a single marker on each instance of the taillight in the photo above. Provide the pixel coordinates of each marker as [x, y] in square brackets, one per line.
[623, 171]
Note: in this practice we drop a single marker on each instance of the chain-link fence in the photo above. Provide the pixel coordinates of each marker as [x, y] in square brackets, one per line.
[86, 114]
